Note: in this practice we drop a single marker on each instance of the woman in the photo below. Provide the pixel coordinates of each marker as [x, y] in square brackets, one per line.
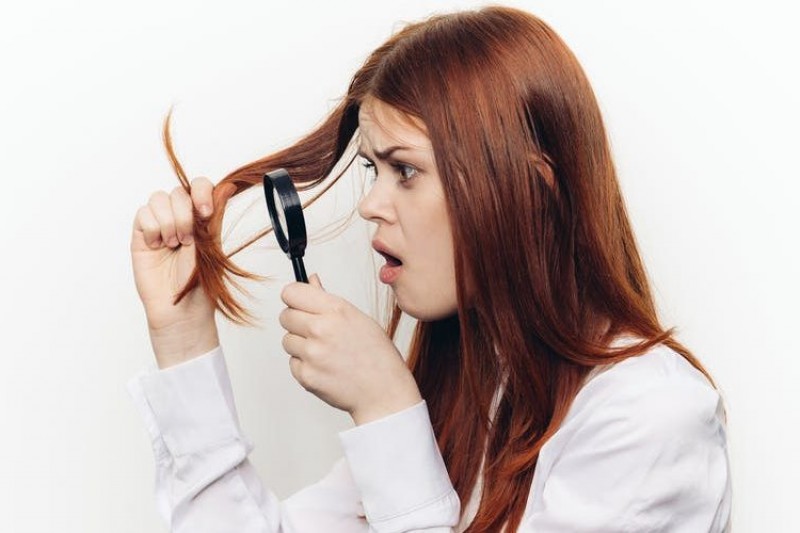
[540, 394]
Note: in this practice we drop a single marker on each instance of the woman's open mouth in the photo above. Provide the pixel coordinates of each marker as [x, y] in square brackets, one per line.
[391, 270]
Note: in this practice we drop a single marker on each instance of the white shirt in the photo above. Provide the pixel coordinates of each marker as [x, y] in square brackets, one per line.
[643, 448]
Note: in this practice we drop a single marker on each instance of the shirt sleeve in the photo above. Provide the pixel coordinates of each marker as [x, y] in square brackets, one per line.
[649, 457]
[205, 483]
[397, 466]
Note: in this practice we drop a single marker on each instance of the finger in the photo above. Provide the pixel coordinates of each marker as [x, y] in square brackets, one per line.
[296, 322]
[182, 211]
[315, 281]
[294, 345]
[309, 298]
[146, 223]
[161, 208]
[297, 368]
[202, 196]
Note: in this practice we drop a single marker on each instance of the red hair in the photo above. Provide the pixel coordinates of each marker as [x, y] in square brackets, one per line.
[547, 267]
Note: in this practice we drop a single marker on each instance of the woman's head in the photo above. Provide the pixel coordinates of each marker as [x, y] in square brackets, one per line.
[519, 146]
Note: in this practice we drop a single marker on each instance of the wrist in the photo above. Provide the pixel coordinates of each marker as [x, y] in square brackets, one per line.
[178, 343]
[387, 406]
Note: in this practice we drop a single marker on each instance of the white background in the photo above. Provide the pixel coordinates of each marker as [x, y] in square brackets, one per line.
[701, 101]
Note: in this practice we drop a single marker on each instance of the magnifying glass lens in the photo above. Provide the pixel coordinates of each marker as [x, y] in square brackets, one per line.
[284, 226]
[286, 215]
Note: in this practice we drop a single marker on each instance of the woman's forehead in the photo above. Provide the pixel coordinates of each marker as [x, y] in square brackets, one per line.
[381, 123]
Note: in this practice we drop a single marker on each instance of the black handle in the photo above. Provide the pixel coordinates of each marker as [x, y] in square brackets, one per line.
[299, 269]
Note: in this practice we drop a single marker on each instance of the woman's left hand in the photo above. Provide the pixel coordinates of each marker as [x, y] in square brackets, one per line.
[342, 355]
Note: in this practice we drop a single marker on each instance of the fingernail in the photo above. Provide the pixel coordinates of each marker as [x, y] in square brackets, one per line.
[187, 239]
[205, 210]
[173, 242]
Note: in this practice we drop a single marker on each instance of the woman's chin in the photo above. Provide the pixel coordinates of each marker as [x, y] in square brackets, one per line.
[423, 313]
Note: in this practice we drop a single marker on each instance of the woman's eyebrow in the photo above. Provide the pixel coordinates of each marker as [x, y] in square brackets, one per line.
[382, 154]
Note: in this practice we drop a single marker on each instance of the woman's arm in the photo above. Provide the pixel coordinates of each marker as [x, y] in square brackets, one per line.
[205, 483]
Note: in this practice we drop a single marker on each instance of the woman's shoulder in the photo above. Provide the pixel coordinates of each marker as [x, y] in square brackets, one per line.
[647, 430]
[659, 380]
[656, 395]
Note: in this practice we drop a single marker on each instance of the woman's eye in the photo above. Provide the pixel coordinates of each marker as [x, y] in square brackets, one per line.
[406, 171]
[369, 166]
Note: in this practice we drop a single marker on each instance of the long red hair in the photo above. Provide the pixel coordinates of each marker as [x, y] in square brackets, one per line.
[547, 267]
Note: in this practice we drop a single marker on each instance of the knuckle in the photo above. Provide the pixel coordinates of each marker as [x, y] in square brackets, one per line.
[294, 368]
[184, 219]
[180, 200]
[317, 328]
[339, 307]
[315, 350]
[301, 373]
[167, 225]
[285, 293]
[285, 342]
[143, 214]
[307, 378]
[200, 181]
[157, 196]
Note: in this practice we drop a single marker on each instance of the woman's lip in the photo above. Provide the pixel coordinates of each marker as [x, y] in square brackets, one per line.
[389, 274]
[385, 251]
[394, 265]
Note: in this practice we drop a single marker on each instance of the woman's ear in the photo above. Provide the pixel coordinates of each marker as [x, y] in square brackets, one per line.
[544, 167]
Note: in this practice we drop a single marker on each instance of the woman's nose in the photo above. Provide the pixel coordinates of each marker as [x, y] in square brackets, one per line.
[376, 204]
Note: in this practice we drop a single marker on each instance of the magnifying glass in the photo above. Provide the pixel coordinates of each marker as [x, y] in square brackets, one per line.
[288, 222]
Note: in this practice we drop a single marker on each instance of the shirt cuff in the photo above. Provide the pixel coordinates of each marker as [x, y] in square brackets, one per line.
[187, 408]
[399, 470]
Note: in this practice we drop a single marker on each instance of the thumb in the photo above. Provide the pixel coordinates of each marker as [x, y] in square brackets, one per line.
[314, 280]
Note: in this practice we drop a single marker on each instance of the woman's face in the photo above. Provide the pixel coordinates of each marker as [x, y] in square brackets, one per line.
[406, 202]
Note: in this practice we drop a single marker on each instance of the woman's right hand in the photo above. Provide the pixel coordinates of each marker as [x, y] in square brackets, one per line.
[163, 255]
